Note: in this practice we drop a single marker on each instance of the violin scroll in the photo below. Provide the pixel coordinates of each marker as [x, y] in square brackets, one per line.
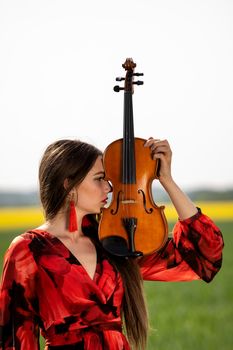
[129, 66]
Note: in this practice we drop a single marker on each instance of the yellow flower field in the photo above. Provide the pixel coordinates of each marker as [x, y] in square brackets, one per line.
[30, 217]
[26, 217]
[219, 211]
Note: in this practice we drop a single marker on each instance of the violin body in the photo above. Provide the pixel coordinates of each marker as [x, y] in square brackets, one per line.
[133, 225]
[136, 201]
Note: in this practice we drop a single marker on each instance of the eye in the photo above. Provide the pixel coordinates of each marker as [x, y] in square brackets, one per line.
[100, 178]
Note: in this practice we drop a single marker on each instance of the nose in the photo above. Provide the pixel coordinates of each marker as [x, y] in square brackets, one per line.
[108, 187]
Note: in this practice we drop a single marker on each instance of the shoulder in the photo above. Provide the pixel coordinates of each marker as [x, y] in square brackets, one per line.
[19, 247]
[19, 261]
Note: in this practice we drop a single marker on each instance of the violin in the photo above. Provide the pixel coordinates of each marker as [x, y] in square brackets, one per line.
[133, 225]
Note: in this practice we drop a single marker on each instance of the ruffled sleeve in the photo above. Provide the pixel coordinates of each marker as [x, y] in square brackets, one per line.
[194, 252]
[18, 303]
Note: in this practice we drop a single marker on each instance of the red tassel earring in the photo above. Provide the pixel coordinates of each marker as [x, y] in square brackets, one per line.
[73, 225]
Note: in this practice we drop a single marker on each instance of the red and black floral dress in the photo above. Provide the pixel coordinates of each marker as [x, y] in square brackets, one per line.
[44, 287]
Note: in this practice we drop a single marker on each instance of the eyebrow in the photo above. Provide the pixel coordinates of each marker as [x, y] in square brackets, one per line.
[100, 173]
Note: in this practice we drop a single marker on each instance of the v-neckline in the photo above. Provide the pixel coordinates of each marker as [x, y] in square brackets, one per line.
[71, 254]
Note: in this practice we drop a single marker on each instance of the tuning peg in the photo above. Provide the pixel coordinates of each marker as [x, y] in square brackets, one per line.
[139, 82]
[120, 79]
[117, 88]
[138, 74]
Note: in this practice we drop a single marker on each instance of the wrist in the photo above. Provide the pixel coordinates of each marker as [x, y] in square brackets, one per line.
[166, 181]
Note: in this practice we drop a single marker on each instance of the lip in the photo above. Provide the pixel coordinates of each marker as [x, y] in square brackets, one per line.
[105, 200]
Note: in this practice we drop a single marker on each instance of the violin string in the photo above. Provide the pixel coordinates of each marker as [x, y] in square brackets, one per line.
[126, 153]
[129, 166]
[131, 153]
[130, 159]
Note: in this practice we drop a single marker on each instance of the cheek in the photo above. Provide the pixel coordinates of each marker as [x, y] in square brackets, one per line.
[88, 193]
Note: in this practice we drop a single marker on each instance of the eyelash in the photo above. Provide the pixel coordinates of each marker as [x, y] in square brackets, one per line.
[100, 178]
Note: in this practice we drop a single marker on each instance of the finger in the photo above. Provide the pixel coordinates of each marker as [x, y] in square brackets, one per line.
[161, 142]
[160, 148]
[157, 142]
[150, 142]
[164, 144]
[160, 156]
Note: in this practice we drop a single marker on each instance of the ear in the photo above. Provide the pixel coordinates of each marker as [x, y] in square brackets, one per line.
[66, 184]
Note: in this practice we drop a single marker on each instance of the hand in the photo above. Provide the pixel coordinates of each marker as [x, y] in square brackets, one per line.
[160, 149]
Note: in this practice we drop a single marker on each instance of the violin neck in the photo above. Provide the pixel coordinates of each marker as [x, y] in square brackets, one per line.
[128, 151]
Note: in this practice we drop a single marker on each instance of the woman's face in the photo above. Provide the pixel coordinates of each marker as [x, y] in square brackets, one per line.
[93, 190]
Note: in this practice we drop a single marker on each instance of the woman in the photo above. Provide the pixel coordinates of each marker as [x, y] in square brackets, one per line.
[58, 278]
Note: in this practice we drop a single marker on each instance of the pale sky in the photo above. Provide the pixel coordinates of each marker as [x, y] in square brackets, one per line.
[58, 63]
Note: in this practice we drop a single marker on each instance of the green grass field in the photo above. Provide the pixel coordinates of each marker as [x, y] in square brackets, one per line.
[186, 315]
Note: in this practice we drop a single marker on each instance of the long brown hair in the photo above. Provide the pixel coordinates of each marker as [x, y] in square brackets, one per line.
[72, 160]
